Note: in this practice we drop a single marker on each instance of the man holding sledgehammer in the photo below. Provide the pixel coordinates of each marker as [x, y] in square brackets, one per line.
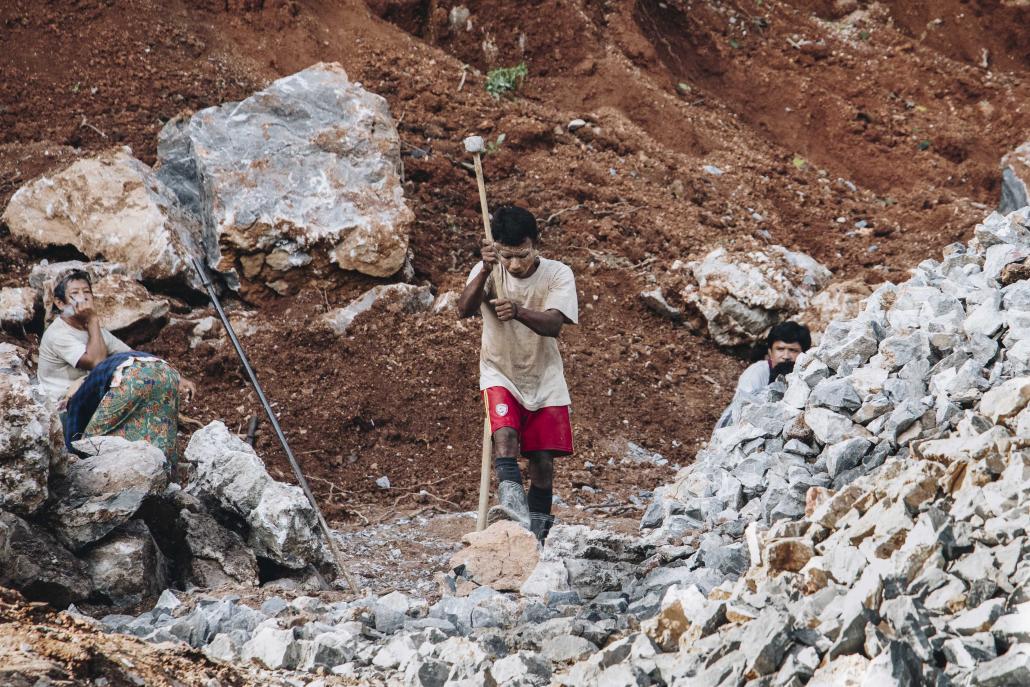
[521, 375]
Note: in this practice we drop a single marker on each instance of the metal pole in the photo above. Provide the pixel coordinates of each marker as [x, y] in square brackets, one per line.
[275, 425]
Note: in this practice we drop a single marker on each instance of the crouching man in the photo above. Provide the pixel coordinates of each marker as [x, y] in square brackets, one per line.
[785, 342]
[102, 386]
[520, 369]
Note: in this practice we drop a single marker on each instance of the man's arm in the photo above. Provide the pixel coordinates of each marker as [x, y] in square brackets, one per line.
[474, 293]
[544, 323]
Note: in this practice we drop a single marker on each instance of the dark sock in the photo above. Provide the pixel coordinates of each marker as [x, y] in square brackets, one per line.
[539, 500]
[508, 470]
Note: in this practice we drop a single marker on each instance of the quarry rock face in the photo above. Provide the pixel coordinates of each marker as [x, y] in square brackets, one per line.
[742, 294]
[24, 436]
[304, 174]
[109, 206]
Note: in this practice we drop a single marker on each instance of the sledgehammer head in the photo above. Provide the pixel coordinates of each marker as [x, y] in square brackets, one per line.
[474, 144]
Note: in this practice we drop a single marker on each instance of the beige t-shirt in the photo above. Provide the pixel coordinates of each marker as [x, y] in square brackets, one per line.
[60, 349]
[513, 355]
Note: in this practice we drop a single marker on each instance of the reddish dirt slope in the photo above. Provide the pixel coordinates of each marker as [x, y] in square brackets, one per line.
[820, 114]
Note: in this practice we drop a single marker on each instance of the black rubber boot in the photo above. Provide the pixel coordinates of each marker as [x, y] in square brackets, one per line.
[540, 524]
[511, 504]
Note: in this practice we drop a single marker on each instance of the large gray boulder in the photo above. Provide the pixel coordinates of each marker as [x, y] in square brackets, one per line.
[105, 489]
[24, 432]
[227, 472]
[126, 566]
[305, 172]
[112, 206]
[34, 563]
[742, 294]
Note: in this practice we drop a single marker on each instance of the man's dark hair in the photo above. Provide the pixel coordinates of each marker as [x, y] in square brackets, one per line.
[61, 287]
[512, 225]
[790, 332]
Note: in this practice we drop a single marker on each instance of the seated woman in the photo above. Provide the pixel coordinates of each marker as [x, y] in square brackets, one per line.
[105, 387]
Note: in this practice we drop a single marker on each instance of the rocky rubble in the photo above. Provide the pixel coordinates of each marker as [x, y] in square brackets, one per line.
[866, 522]
[25, 451]
[110, 528]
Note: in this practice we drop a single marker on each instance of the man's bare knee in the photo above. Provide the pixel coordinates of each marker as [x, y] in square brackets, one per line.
[506, 442]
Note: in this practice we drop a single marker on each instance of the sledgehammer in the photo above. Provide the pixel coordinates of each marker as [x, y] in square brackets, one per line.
[474, 145]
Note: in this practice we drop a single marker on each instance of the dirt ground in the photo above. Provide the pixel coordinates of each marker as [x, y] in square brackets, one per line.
[39, 646]
[866, 134]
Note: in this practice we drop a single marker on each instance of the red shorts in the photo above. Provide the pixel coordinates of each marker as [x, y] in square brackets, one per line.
[546, 429]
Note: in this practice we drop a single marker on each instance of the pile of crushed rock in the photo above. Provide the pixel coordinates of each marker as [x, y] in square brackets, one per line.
[109, 526]
[866, 521]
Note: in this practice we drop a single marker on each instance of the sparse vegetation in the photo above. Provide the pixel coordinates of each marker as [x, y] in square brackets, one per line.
[493, 146]
[505, 79]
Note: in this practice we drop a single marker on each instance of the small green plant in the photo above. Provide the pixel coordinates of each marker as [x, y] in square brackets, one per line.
[924, 145]
[505, 79]
[493, 146]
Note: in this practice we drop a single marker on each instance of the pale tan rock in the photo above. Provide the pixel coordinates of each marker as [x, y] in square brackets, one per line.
[837, 505]
[815, 497]
[843, 671]
[842, 300]
[789, 554]
[917, 484]
[500, 557]
[24, 436]
[110, 205]
[951, 449]
[754, 546]
[742, 294]
[666, 628]
[814, 575]
[124, 305]
[389, 299]
[673, 626]
[737, 612]
[18, 306]
[1005, 401]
